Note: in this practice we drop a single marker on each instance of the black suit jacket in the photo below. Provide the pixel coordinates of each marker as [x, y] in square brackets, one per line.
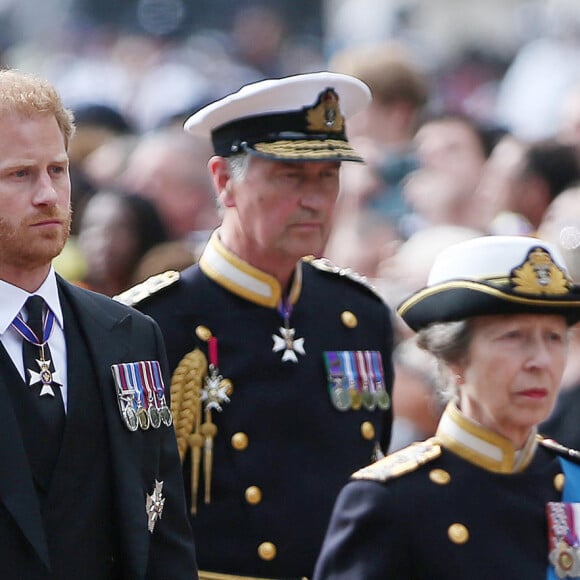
[115, 334]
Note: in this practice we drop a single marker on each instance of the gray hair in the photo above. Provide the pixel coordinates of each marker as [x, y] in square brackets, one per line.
[238, 165]
[449, 343]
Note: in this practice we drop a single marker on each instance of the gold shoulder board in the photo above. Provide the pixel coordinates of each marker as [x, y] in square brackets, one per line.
[152, 285]
[401, 462]
[326, 265]
[560, 449]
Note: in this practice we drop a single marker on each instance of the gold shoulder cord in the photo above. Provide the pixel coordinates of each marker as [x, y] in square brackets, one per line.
[186, 384]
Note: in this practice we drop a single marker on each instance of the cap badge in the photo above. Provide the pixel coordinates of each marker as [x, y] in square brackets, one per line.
[540, 275]
[325, 115]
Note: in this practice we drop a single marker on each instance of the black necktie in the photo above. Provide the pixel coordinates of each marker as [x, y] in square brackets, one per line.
[46, 411]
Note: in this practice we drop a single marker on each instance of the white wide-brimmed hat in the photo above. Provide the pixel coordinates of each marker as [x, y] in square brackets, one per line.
[296, 118]
[494, 275]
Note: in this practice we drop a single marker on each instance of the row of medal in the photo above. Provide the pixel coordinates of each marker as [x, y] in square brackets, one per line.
[141, 395]
[356, 380]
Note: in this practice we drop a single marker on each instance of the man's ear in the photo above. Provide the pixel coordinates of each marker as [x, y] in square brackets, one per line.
[222, 180]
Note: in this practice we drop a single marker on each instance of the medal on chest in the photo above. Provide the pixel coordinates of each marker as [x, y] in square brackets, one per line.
[563, 518]
[44, 375]
[286, 342]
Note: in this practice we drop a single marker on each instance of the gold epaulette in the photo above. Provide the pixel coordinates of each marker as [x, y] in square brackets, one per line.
[145, 289]
[326, 265]
[560, 449]
[401, 462]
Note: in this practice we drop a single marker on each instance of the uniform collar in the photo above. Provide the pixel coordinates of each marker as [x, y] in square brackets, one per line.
[13, 299]
[243, 279]
[480, 445]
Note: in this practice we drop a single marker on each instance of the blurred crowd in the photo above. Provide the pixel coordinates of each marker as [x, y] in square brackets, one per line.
[454, 150]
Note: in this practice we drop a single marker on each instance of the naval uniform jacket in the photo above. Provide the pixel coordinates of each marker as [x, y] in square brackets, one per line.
[282, 450]
[112, 334]
[461, 505]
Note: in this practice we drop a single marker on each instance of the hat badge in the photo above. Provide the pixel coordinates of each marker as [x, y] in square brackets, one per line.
[325, 115]
[540, 275]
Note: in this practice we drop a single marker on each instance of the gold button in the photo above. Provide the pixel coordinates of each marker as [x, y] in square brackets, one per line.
[267, 551]
[239, 441]
[458, 533]
[203, 333]
[367, 430]
[439, 476]
[253, 495]
[559, 481]
[349, 319]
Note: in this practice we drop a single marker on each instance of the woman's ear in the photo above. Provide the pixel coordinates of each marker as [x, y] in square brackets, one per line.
[457, 372]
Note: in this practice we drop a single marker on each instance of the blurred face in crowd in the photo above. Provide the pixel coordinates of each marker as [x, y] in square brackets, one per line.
[107, 239]
[501, 187]
[34, 196]
[453, 147]
[173, 179]
[279, 211]
[513, 370]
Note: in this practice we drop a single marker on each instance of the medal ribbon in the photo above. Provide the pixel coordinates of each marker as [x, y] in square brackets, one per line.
[150, 383]
[28, 334]
[377, 367]
[158, 381]
[362, 369]
[371, 370]
[213, 351]
[138, 384]
[145, 380]
[334, 367]
[285, 309]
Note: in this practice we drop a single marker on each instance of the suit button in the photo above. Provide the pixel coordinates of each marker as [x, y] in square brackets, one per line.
[203, 333]
[458, 533]
[253, 495]
[439, 476]
[239, 441]
[267, 551]
[349, 319]
[367, 430]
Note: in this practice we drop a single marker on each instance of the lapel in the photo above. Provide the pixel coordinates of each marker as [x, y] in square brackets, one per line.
[110, 340]
[16, 484]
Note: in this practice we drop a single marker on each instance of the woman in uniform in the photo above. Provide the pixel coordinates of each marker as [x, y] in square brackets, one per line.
[487, 497]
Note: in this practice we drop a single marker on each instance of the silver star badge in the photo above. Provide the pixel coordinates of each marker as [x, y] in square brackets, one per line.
[215, 391]
[288, 344]
[46, 377]
[154, 505]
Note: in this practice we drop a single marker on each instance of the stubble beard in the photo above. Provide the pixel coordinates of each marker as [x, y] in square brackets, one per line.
[26, 250]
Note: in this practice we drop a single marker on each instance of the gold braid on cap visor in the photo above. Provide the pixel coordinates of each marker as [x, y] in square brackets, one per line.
[484, 289]
[306, 147]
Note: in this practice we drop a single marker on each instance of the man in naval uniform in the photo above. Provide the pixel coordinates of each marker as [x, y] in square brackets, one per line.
[281, 362]
[91, 483]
